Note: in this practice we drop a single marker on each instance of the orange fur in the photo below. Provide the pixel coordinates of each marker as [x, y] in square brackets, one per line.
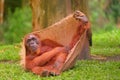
[49, 61]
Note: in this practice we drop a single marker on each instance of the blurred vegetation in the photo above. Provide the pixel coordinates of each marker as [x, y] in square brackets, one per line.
[112, 9]
[11, 4]
[16, 25]
[104, 14]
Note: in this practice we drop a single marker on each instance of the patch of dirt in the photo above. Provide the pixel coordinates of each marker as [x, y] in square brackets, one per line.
[108, 58]
[8, 61]
[115, 58]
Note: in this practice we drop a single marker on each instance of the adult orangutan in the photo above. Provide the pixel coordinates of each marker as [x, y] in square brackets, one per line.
[44, 57]
[47, 57]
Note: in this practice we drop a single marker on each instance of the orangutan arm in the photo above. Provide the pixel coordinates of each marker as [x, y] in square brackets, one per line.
[45, 57]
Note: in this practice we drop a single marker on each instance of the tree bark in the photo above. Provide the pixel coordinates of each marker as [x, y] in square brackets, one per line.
[1, 11]
[47, 12]
[81, 5]
[68, 7]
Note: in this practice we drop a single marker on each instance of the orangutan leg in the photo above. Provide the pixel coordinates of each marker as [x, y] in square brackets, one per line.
[44, 71]
[53, 67]
[58, 63]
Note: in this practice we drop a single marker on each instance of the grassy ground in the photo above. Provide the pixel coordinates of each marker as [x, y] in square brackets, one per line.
[104, 43]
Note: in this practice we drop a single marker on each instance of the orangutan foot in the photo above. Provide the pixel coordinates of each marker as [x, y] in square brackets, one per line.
[54, 74]
[45, 73]
[80, 16]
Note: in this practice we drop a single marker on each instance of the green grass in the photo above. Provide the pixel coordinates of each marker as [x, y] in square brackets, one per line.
[105, 51]
[104, 43]
[9, 52]
[107, 38]
[83, 70]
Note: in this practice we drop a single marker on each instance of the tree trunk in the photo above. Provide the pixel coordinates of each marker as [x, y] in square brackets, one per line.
[68, 7]
[81, 5]
[47, 12]
[1, 11]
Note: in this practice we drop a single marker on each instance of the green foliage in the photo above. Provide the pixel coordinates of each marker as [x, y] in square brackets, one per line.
[103, 15]
[112, 9]
[17, 25]
[12, 4]
[96, 13]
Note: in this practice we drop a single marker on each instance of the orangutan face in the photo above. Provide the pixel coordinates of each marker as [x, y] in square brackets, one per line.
[32, 43]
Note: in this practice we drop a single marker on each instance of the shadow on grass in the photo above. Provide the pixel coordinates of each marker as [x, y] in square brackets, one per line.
[108, 58]
[8, 61]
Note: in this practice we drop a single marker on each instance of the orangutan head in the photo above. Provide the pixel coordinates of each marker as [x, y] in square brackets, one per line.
[33, 43]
